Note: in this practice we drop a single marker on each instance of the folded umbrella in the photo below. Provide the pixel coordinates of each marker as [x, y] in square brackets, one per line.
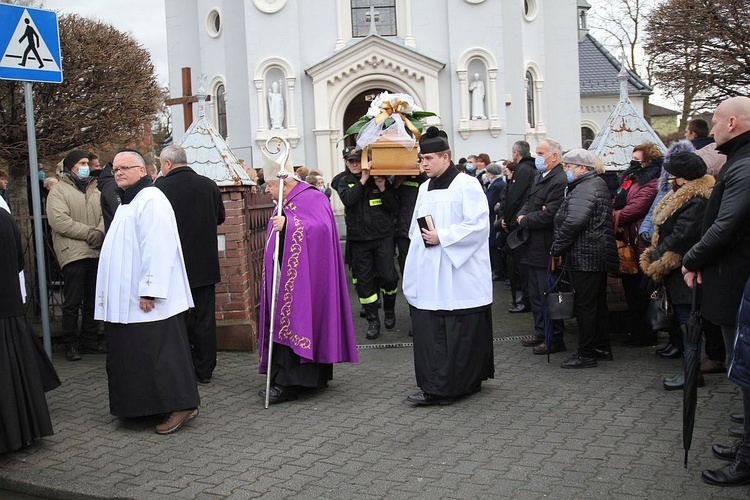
[692, 330]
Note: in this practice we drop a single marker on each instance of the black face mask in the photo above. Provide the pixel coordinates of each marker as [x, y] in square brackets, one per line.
[635, 163]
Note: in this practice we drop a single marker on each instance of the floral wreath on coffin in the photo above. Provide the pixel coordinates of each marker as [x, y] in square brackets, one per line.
[392, 116]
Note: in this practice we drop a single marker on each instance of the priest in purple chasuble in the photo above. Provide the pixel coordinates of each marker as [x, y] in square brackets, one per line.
[313, 325]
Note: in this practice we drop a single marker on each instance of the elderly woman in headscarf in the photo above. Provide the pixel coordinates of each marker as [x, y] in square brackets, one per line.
[638, 187]
[677, 227]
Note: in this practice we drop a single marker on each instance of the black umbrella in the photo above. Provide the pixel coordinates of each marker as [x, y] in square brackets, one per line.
[692, 330]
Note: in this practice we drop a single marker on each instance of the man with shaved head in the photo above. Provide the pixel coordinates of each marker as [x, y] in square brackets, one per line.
[721, 262]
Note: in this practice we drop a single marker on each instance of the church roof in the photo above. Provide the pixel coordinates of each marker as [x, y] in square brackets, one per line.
[624, 129]
[208, 153]
[598, 69]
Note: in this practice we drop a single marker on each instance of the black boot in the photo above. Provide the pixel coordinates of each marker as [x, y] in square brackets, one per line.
[389, 307]
[373, 322]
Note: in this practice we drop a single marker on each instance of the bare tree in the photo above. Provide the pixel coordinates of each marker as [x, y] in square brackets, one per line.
[619, 25]
[109, 95]
[701, 51]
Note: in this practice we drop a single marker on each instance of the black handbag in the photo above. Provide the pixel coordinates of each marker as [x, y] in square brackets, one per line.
[560, 304]
[660, 312]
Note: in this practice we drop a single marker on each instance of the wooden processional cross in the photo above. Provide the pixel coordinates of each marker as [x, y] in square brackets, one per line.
[187, 99]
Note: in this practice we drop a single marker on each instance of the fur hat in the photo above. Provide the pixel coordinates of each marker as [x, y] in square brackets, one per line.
[689, 166]
[433, 141]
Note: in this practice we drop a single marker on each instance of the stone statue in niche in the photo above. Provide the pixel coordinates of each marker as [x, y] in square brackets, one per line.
[276, 106]
[476, 89]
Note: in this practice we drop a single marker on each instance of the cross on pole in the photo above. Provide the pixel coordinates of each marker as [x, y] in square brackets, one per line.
[187, 99]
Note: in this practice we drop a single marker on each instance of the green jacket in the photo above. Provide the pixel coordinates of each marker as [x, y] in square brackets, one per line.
[71, 215]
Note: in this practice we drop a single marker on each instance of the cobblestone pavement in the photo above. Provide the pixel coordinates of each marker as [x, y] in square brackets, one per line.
[535, 431]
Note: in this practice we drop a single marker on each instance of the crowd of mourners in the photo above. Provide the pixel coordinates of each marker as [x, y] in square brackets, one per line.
[671, 223]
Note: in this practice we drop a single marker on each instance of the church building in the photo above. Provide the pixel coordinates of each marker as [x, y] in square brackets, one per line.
[494, 71]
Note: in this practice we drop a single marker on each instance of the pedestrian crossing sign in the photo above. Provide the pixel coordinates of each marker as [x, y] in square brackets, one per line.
[29, 45]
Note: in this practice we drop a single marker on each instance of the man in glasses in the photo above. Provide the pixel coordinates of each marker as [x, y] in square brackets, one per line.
[142, 291]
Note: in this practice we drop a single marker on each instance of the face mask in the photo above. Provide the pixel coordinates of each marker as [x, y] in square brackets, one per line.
[539, 163]
[322, 189]
[470, 167]
[635, 164]
[83, 173]
[569, 175]
[41, 176]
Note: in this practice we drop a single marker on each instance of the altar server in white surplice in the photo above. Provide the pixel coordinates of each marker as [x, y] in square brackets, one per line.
[448, 280]
[142, 290]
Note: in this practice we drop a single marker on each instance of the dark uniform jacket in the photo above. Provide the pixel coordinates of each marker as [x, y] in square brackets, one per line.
[369, 214]
[546, 196]
[723, 253]
[519, 187]
[584, 231]
[406, 195]
[198, 208]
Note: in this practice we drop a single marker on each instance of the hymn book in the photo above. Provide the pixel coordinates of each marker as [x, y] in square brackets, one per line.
[426, 222]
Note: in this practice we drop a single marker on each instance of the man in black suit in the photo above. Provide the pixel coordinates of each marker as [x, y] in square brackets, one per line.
[198, 208]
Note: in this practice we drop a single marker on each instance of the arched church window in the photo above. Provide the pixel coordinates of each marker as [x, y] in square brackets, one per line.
[221, 111]
[380, 12]
[530, 101]
[587, 137]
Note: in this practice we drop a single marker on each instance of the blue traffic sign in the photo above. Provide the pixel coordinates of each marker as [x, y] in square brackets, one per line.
[29, 45]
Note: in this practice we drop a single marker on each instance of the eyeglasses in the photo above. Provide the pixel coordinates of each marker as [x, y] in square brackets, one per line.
[115, 170]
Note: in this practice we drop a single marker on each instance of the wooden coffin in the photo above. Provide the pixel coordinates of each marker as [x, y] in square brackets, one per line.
[390, 158]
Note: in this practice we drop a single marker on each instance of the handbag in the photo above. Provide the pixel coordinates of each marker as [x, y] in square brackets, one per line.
[625, 251]
[659, 313]
[560, 304]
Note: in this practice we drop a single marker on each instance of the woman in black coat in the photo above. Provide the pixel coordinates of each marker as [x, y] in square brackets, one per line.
[677, 227]
[584, 237]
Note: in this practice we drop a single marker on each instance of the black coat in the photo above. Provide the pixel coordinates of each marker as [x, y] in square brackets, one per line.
[406, 194]
[369, 213]
[109, 199]
[546, 196]
[494, 193]
[198, 208]
[677, 227]
[11, 264]
[584, 231]
[519, 188]
[723, 253]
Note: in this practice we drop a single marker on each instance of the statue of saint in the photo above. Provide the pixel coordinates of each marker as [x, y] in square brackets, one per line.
[276, 106]
[476, 89]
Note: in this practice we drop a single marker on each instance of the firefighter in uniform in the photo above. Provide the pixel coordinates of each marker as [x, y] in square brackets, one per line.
[370, 209]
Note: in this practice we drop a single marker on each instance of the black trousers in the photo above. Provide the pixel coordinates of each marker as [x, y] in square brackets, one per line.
[79, 296]
[402, 247]
[637, 306]
[537, 285]
[591, 311]
[715, 349]
[288, 370]
[370, 259]
[201, 329]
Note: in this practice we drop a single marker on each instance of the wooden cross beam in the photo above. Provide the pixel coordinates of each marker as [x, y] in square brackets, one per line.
[187, 99]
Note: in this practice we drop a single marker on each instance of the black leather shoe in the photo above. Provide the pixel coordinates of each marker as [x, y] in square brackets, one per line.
[390, 320]
[93, 349]
[728, 453]
[737, 417]
[519, 308]
[279, 394]
[662, 349]
[542, 349]
[672, 352]
[72, 354]
[578, 362]
[736, 432]
[604, 354]
[735, 474]
[207, 380]
[373, 329]
[422, 398]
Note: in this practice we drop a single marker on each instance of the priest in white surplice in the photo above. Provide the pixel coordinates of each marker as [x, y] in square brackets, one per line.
[142, 290]
[448, 280]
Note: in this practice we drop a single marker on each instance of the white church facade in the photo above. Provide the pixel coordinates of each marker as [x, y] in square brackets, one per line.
[306, 69]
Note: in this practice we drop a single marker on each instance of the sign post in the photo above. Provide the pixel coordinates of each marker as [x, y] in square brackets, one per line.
[30, 44]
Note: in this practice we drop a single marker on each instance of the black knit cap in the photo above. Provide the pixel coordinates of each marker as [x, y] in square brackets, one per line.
[433, 141]
[73, 157]
[689, 166]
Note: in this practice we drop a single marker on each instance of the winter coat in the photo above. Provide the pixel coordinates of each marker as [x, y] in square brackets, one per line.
[72, 214]
[546, 196]
[640, 197]
[723, 252]
[369, 213]
[494, 194]
[109, 198]
[519, 187]
[198, 208]
[739, 367]
[677, 220]
[584, 233]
